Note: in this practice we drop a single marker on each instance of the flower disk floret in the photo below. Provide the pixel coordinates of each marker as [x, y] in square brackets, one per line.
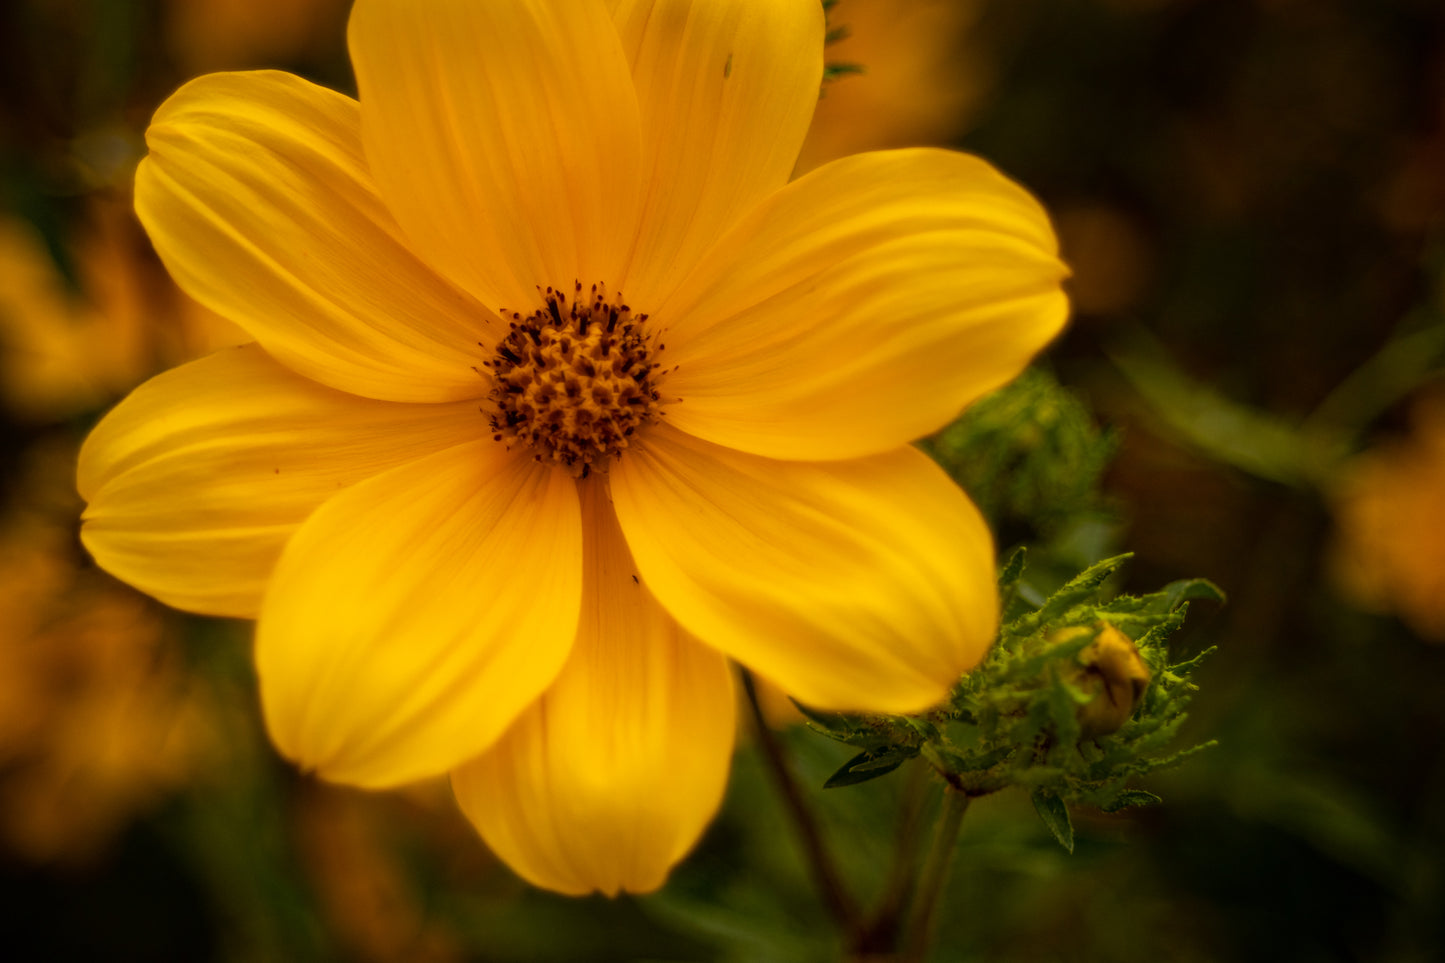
[574, 380]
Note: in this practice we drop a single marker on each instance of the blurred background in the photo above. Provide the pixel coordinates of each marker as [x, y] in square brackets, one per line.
[1251, 194]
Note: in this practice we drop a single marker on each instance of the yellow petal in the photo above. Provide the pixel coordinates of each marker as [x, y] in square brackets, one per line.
[257, 197]
[726, 89]
[198, 478]
[862, 307]
[864, 585]
[504, 136]
[414, 615]
[610, 778]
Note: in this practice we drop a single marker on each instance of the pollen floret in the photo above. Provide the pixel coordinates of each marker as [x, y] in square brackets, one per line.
[575, 379]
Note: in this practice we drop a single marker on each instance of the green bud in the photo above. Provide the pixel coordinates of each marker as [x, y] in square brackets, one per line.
[1111, 674]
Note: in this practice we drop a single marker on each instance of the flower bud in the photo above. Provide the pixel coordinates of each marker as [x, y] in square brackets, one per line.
[1113, 673]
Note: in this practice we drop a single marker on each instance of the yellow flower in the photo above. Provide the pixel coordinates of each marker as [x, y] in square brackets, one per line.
[219, 34]
[494, 524]
[351, 847]
[1389, 512]
[62, 352]
[98, 721]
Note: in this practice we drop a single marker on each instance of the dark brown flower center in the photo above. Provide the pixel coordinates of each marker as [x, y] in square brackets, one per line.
[574, 380]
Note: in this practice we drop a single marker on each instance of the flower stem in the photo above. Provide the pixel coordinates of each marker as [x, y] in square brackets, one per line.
[885, 927]
[825, 874]
[935, 875]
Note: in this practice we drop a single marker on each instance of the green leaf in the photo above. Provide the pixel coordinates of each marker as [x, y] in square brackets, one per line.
[1192, 589]
[1130, 797]
[1013, 569]
[1010, 584]
[869, 740]
[1189, 665]
[944, 759]
[1236, 434]
[866, 766]
[1055, 814]
[830, 722]
[918, 729]
[1083, 586]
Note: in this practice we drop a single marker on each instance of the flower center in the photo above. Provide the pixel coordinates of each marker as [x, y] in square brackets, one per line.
[574, 379]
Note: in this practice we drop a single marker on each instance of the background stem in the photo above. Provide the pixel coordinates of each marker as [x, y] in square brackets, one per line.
[885, 926]
[835, 897]
[935, 875]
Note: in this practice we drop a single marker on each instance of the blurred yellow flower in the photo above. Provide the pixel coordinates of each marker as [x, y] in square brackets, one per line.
[65, 351]
[97, 717]
[350, 848]
[920, 79]
[697, 383]
[1389, 513]
[225, 34]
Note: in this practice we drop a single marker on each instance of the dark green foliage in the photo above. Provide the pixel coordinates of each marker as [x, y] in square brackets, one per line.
[1029, 455]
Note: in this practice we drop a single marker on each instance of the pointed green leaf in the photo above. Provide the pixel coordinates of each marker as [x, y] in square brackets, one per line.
[1189, 590]
[866, 766]
[1189, 665]
[943, 759]
[1055, 814]
[1082, 586]
[1010, 605]
[919, 730]
[1013, 569]
[1130, 797]
[1226, 430]
[834, 724]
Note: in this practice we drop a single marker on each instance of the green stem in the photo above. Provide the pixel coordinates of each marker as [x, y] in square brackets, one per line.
[881, 934]
[935, 875]
[825, 874]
